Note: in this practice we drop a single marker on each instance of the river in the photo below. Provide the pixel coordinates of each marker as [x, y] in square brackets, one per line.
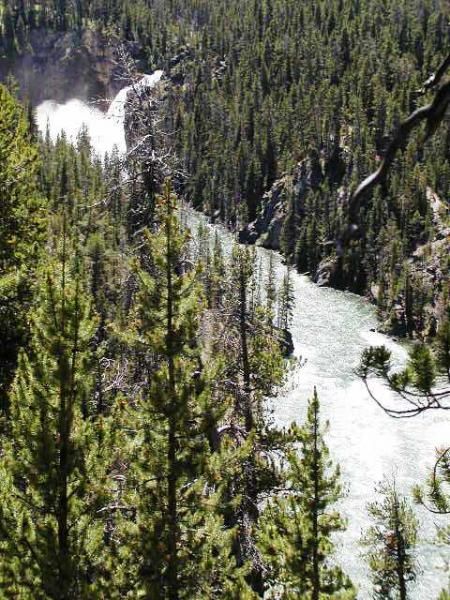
[330, 329]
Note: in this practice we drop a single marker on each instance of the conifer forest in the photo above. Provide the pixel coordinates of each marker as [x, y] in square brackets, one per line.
[224, 299]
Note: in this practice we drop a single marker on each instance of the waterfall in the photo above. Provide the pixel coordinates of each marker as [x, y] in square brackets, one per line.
[116, 110]
[106, 130]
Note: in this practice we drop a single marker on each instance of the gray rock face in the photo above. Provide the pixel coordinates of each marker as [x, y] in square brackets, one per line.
[286, 342]
[271, 238]
[60, 66]
[326, 273]
[266, 230]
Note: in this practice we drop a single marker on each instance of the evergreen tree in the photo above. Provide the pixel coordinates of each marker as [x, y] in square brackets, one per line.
[297, 527]
[417, 386]
[252, 367]
[243, 105]
[180, 547]
[53, 459]
[418, 389]
[218, 273]
[289, 229]
[435, 495]
[286, 302]
[271, 291]
[22, 226]
[443, 345]
[390, 543]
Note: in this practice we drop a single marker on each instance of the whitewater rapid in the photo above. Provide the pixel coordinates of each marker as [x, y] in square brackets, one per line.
[330, 329]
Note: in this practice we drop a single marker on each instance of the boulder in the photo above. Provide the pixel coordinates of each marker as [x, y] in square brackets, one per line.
[286, 342]
[326, 272]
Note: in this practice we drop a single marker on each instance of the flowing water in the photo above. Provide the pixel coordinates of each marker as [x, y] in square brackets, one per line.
[105, 129]
[330, 329]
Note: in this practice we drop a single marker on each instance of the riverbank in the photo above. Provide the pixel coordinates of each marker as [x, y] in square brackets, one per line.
[330, 330]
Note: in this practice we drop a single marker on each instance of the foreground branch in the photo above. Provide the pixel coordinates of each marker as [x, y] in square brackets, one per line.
[431, 114]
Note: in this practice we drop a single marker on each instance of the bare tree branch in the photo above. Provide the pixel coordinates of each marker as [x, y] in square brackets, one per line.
[435, 79]
[417, 405]
[431, 114]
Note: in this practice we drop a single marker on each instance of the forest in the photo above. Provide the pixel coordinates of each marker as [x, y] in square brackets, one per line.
[139, 357]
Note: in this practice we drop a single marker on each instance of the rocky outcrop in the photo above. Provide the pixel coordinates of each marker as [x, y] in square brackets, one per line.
[429, 269]
[178, 66]
[286, 342]
[60, 66]
[266, 229]
[326, 273]
[430, 264]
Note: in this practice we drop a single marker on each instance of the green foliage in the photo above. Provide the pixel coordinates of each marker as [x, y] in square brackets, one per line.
[390, 544]
[53, 458]
[22, 226]
[286, 302]
[297, 528]
[271, 291]
[437, 492]
[179, 539]
[417, 385]
[375, 359]
[443, 345]
[435, 495]
[423, 369]
[298, 96]
[248, 115]
[157, 395]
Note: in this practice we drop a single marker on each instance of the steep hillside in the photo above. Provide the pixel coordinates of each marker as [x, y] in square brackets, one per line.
[277, 110]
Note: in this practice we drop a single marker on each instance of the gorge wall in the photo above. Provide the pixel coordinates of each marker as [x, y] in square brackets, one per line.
[65, 65]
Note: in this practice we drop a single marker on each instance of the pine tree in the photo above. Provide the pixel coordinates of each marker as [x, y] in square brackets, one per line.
[435, 495]
[443, 345]
[286, 302]
[297, 527]
[271, 290]
[289, 228]
[390, 543]
[252, 367]
[52, 461]
[418, 387]
[218, 273]
[180, 547]
[22, 226]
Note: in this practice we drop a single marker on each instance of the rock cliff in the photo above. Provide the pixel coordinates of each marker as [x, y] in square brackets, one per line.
[60, 66]
[266, 229]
